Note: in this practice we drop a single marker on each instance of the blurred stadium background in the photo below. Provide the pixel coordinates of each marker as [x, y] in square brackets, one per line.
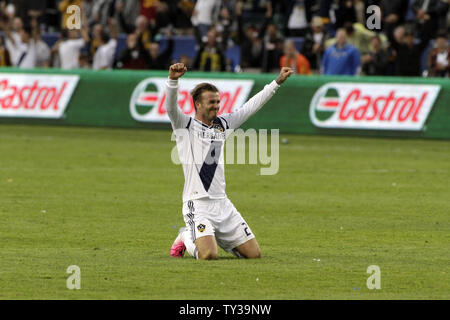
[85, 168]
[230, 35]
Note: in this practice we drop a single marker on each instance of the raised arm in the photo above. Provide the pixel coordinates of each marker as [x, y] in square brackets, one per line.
[84, 26]
[176, 116]
[236, 119]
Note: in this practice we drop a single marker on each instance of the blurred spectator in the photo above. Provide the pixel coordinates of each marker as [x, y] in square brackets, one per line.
[88, 9]
[96, 40]
[250, 40]
[442, 9]
[298, 17]
[148, 9]
[427, 15]
[205, 15]
[211, 56]
[358, 36]
[251, 24]
[375, 62]
[16, 28]
[182, 13]
[226, 15]
[341, 58]
[393, 13]
[69, 48]
[336, 12]
[142, 27]
[134, 56]
[186, 60]
[360, 10]
[41, 48]
[23, 8]
[23, 49]
[314, 43]
[104, 57]
[102, 11]
[293, 59]
[129, 10]
[281, 6]
[13, 27]
[272, 49]
[439, 57]
[345, 13]
[158, 60]
[409, 53]
[272, 43]
[43, 54]
[84, 60]
[162, 15]
[5, 61]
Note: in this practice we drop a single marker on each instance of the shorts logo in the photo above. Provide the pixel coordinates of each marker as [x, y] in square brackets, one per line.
[201, 227]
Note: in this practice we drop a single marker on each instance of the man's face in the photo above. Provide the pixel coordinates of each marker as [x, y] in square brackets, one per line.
[272, 31]
[249, 32]
[141, 23]
[317, 29]
[25, 36]
[208, 106]
[341, 37]
[131, 40]
[154, 50]
[17, 24]
[375, 44]
[97, 30]
[289, 49]
[73, 34]
[409, 40]
[212, 37]
[441, 43]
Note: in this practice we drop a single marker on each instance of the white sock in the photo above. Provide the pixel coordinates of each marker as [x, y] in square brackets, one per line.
[190, 245]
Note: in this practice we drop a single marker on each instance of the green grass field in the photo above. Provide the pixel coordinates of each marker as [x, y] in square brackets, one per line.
[109, 201]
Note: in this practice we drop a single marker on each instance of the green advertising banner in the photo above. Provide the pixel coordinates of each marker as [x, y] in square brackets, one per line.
[380, 106]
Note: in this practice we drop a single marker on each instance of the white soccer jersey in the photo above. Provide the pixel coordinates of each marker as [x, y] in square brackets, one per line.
[201, 147]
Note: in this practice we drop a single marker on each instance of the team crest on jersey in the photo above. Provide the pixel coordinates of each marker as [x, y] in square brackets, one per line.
[217, 127]
[201, 227]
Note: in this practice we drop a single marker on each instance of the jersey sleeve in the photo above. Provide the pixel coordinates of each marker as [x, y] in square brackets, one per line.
[78, 43]
[235, 119]
[176, 116]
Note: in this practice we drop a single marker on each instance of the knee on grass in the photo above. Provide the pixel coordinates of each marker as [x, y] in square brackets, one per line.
[253, 255]
[207, 255]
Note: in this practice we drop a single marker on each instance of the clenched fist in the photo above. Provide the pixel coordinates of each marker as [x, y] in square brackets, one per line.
[284, 74]
[177, 70]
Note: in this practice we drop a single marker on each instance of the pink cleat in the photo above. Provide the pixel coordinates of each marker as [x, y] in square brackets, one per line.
[178, 247]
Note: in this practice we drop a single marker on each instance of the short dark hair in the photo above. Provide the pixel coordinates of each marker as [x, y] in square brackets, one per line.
[349, 29]
[377, 37]
[196, 93]
[104, 36]
[65, 33]
[27, 29]
[441, 34]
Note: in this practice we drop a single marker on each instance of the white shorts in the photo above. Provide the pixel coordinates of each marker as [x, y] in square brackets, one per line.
[218, 218]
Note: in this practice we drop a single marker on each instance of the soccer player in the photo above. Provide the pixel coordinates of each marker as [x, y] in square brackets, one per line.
[211, 219]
